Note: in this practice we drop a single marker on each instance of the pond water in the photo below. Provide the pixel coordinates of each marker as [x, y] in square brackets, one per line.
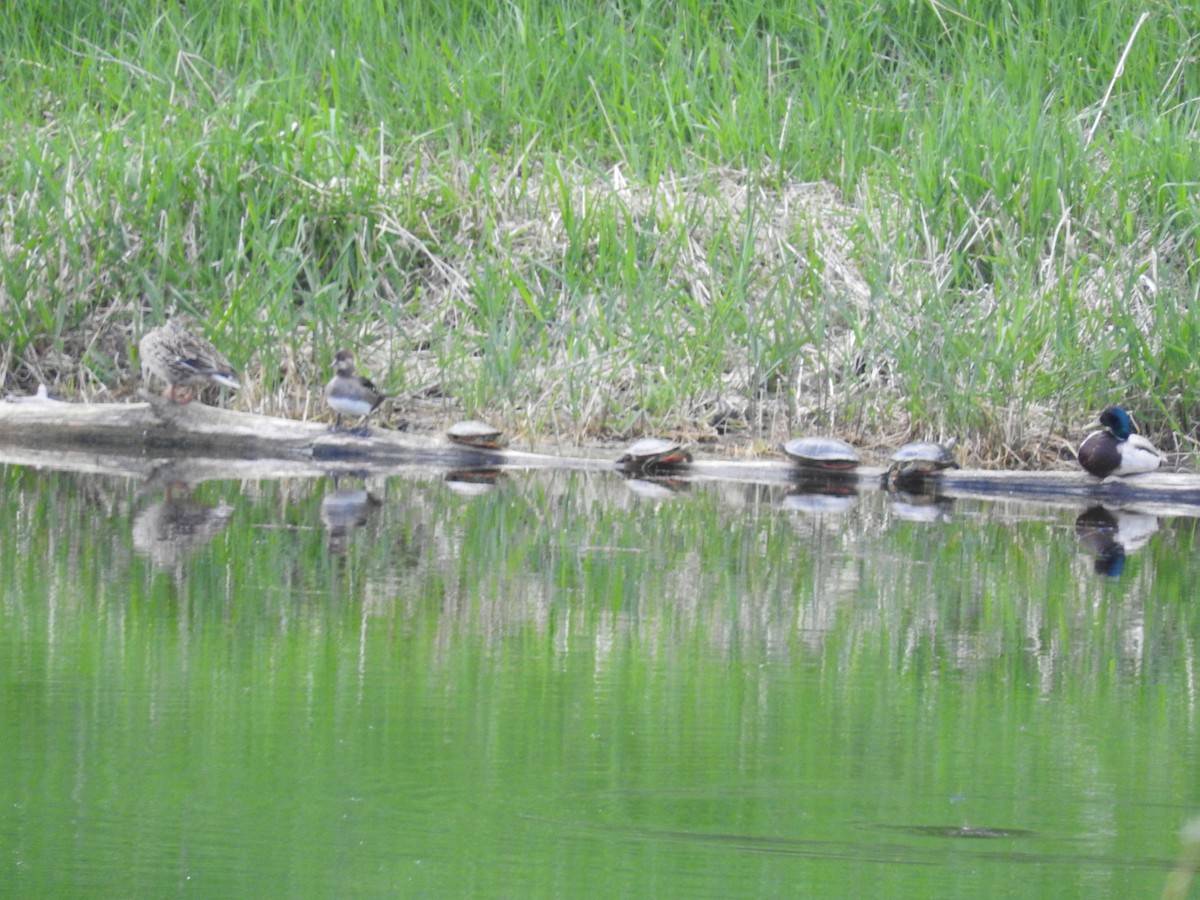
[559, 684]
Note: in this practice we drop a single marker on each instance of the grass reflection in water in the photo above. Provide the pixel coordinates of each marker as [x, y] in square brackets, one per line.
[545, 683]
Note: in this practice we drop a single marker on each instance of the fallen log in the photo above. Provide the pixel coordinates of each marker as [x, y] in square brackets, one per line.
[142, 438]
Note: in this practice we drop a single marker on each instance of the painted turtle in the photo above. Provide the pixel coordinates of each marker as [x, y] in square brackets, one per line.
[821, 454]
[920, 458]
[650, 454]
[473, 433]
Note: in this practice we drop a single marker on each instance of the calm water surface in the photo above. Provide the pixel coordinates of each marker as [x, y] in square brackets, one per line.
[559, 685]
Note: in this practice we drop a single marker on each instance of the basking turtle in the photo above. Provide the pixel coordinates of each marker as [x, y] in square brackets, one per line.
[653, 454]
[473, 433]
[821, 454]
[917, 460]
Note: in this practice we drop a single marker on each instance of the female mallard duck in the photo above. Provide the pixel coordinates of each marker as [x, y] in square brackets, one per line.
[183, 360]
[1116, 450]
[349, 393]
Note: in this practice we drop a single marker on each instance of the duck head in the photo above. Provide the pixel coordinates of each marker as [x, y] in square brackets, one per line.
[1117, 422]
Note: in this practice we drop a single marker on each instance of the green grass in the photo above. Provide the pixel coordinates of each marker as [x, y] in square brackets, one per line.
[585, 218]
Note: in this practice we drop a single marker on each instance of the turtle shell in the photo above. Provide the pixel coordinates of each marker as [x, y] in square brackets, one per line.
[473, 433]
[922, 457]
[821, 453]
[649, 453]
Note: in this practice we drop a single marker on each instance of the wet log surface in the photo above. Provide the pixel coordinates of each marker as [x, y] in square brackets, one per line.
[154, 438]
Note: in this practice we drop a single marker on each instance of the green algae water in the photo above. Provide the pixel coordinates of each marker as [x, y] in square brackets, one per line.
[564, 685]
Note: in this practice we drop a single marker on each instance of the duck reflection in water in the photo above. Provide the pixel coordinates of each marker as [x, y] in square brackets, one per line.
[170, 530]
[342, 512]
[1111, 534]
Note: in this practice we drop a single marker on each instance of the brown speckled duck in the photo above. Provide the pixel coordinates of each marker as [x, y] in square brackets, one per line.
[183, 360]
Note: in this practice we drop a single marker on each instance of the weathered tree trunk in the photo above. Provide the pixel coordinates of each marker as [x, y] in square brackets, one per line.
[147, 439]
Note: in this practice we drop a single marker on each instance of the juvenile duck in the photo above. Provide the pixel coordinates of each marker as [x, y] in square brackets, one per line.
[349, 393]
[1116, 450]
[183, 360]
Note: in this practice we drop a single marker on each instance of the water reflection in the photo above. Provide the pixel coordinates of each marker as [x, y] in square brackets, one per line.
[342, 512]
[168, 531]
[662, 487]
[973, 832]
[920, 506]
[472, 482]
[1112, 534]
[822, 494]
[741, 689]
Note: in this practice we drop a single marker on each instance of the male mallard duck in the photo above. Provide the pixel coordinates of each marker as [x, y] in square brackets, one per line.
[1116, 450]
[350, 393]
[183, 360]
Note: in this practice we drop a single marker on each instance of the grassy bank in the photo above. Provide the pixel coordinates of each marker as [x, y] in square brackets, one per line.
[581, 218]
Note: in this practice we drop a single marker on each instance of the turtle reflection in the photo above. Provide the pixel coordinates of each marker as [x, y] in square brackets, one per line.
[818, 495]
[920, 506]
[472, 482]
[1111, 534]
[656, 487]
